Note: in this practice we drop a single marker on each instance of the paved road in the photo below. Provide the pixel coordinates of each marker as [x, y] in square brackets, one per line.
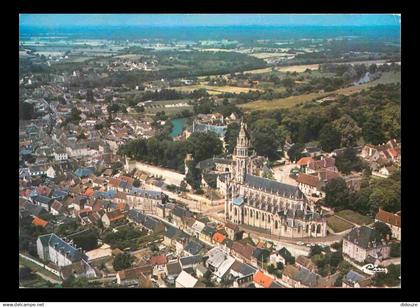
[281, 173]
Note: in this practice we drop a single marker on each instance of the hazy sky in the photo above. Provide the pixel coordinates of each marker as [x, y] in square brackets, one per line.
[57, 20]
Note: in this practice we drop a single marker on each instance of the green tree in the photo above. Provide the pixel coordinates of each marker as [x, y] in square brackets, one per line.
[193, 176]
[122, 261]
[295, 152]
[86, 241]
[26, 111]
[89, 95]
[136, 183]
[329, 138]
[373, 131]
[348, 161]
[231, 136]
[337, 193]
[382, 229]
[349, 130]
[204, 145]
[315, 250]
[266, 138]
[395, 249]
[386, 193]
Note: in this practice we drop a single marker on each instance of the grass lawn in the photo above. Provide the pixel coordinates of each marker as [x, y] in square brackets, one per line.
[35, 281]
[282, 103]
[337, 224]
[214, 89]
[298, 68]
[37, 268]
[355, 217]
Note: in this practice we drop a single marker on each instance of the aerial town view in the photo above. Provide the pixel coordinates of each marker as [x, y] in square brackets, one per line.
[209, 151]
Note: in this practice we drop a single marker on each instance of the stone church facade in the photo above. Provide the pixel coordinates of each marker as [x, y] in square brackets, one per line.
[277, 208]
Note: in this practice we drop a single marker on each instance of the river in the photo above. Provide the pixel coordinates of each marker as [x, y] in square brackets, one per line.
[178, 126]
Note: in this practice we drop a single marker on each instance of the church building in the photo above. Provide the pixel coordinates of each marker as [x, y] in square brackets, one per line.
[277, 208]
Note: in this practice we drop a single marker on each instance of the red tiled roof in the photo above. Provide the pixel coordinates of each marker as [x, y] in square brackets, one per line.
[218, 237]
[158, 260]
[115, 215]
[245, 250]
[114, 182]
[43, 190]
[56, 205]
[262, 279]
[89, 192]
[389, 218]
[310, 180]
[324, 163]
[129, 180]
[393, 152]
[304, 161]
[25, 192]
[39, 222]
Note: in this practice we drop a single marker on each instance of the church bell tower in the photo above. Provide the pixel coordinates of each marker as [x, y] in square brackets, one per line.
[241, 154]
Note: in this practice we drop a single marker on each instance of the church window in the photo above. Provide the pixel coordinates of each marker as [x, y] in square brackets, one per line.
[276, 225]
[250, 213]
[236, 212]
[269, 220]
[256, 215]
[262, 217]
[312, 228]
[245, 212]
[318, 228]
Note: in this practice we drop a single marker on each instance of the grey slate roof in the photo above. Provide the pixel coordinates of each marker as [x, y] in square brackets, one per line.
[353, 277]
[84, 172]
[42, 199]
[218, 130]
[181, 212]
[210, 163]
[193, 247]
[190, 260]
[145, 193]
[243, 268]
[60, 245]
[306, 277]
[273, 186]
[208, 231]
[145, 220]
[364, 237]
[174, 268]
[59, 194]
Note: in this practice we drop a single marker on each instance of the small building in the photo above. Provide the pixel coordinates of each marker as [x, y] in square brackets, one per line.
[261, 280]
[51, 247]
[362, 242]
[112, 217]
[185, 280]
[132, 276]
[173, 269]
[393, 221]
[355, 280]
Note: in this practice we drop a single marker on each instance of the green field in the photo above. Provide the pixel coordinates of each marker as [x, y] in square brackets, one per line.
[35, 281]
[282, 103]
[159, 106]
[338, 225]
[354, 217]
[37, 268]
